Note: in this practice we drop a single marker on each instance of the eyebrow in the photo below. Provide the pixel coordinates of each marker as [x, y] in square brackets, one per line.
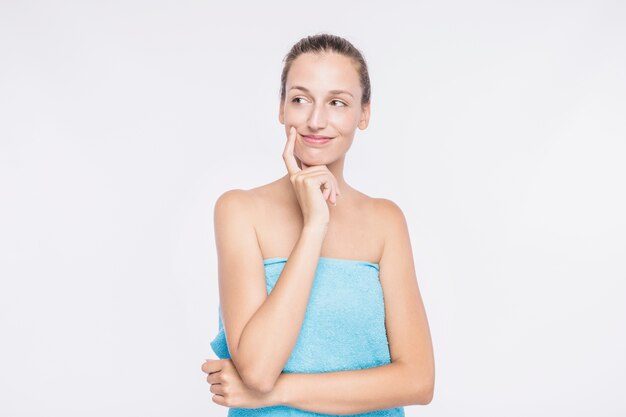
[331, 91]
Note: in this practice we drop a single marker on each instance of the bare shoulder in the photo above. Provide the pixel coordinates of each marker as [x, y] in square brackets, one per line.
[388, 209]
[393, 229]
[231, 198]
[233, 219]
[251, 198]
[392, 218]
[235, 203]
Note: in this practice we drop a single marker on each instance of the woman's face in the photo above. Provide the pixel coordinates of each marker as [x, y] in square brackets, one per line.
[323, 98]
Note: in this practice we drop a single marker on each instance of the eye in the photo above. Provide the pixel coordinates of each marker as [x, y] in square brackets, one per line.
[342, 103]
[296, 98]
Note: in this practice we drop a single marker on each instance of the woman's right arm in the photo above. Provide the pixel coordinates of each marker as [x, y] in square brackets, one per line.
[261, 329]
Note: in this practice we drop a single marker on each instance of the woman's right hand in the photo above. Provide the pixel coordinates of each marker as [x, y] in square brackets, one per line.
[314, 185]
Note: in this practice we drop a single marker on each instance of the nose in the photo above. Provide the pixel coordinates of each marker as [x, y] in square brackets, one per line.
[317, 118]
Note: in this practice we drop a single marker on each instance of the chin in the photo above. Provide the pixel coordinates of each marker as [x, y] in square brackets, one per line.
[315, 163]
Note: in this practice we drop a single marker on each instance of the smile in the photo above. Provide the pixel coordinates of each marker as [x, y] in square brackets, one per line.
[316, 140]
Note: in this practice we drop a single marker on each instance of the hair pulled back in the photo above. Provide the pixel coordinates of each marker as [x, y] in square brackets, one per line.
[325, 42]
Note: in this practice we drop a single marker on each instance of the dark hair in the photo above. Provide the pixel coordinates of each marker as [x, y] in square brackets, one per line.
[325, 42]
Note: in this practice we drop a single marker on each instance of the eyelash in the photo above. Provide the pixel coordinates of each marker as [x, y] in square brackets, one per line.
[344, 104]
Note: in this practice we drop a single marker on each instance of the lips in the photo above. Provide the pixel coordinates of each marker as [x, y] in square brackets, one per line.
[316, 137]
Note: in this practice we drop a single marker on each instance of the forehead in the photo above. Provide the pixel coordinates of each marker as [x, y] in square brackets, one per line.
[322, 72]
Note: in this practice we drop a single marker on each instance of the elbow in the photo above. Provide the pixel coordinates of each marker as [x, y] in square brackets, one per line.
[423, 383]
[423, 387]
[425, 395]
[253, 377]
[260, 384]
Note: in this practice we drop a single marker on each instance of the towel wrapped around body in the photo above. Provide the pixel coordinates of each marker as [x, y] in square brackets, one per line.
[343, 328]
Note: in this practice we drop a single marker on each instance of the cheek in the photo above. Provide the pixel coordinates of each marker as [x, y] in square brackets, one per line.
[295, 115]
[345, 121]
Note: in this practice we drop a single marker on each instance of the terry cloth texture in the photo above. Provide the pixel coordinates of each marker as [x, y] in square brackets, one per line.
[343, 328]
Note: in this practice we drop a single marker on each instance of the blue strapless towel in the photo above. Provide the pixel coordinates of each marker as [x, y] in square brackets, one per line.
[343, 328]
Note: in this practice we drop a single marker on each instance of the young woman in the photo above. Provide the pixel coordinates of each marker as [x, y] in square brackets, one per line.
[320, 309]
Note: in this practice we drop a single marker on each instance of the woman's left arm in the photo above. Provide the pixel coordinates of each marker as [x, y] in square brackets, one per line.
[410, 377]
[349, 392]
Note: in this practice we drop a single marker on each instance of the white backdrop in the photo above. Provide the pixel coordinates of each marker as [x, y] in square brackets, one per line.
[497, 126]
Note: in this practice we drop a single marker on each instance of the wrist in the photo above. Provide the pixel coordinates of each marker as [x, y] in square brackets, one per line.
[315, 229]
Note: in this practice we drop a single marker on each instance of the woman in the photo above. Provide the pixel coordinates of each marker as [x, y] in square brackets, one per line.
[319, 304]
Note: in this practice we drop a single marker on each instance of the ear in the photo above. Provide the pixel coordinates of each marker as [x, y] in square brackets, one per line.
[281, 112]
[365, 116]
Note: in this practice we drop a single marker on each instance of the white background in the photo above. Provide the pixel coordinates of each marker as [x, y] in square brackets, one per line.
[497, 126]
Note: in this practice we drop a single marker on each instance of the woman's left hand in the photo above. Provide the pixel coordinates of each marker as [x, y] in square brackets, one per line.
[229, 389]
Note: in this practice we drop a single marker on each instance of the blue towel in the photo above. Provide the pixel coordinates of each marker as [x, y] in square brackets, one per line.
[343, 328]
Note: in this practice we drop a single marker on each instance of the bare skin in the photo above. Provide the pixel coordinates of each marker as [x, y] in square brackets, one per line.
[295, 217]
